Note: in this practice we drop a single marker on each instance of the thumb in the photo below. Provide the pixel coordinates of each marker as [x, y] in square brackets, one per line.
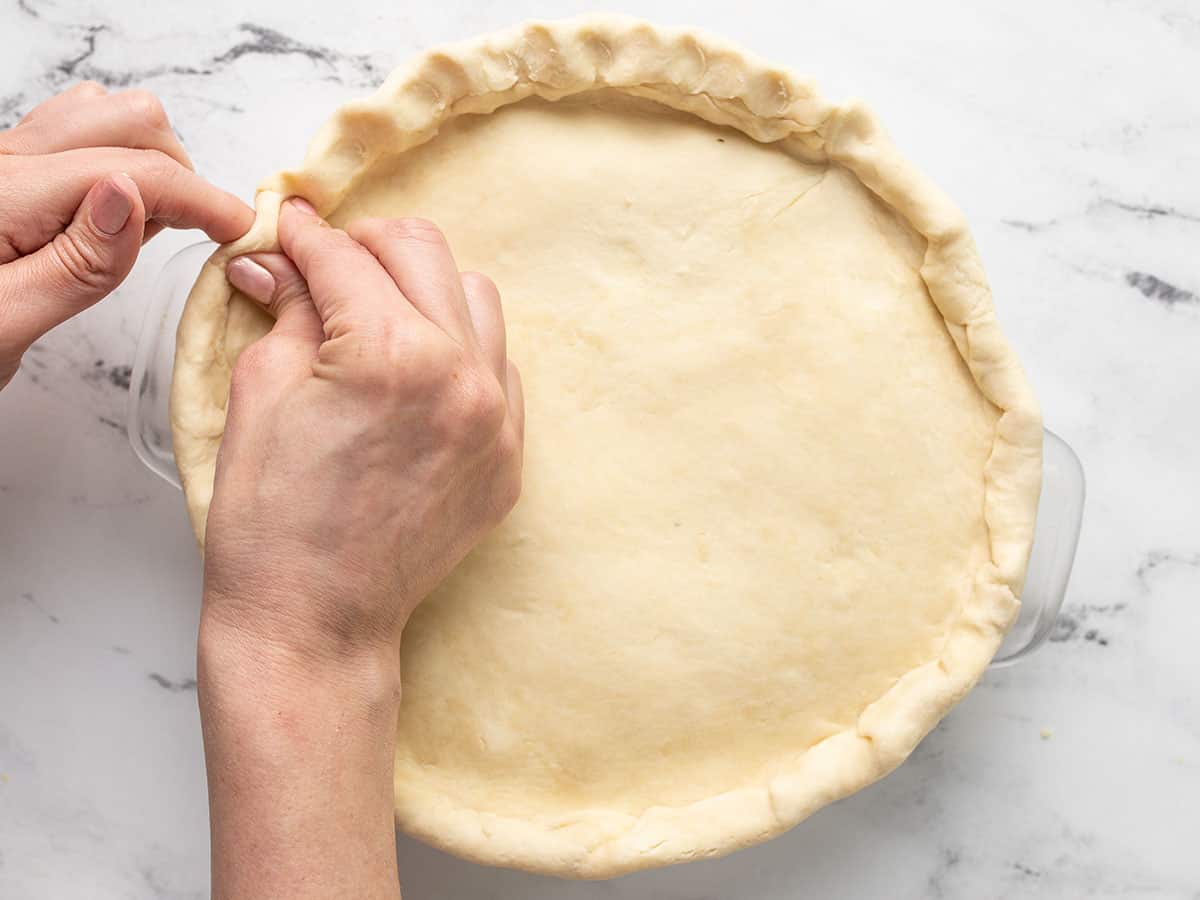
[284, 354]
[272, 280]
[80, 266]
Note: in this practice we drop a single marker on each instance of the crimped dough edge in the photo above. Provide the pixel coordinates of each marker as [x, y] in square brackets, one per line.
[722, 84]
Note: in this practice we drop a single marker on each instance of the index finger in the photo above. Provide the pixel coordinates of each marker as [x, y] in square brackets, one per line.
[344, 278]
[174, 195]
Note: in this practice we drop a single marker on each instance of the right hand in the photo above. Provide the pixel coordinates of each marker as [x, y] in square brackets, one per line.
[372, 438]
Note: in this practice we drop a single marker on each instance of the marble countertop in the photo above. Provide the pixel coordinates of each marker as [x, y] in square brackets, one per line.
[1070, 135]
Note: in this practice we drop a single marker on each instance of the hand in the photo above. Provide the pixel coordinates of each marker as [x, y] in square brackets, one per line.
[372, 437]
[85, 178]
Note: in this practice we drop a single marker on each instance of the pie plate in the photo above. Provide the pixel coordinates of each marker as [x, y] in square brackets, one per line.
[783, 469]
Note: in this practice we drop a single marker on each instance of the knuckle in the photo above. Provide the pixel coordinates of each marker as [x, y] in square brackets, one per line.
[409, 229]
[289, 289]
[90, 88]
[162, 174]
[366, 228]
[479, 284]
[475, 410]
[83, 263]
[146, 107]
[506, 491]
[158, 165]
[508, 447]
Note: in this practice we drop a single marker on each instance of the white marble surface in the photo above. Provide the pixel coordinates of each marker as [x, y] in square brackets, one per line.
[1070, 134]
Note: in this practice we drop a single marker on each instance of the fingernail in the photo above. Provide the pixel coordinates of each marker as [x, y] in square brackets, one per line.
[302, 205]
[251, 279]
[113, 203]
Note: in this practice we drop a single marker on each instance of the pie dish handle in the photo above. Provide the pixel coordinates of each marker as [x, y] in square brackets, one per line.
[147, 418]
[1056, 535]
[1060, 507]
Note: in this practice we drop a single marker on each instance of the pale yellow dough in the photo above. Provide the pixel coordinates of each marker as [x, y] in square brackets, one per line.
[781, 466]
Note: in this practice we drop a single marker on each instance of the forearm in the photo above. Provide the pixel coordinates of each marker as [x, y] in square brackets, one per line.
[299, 757]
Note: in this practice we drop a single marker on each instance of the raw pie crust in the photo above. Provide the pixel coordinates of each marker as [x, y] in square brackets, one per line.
[782, 465]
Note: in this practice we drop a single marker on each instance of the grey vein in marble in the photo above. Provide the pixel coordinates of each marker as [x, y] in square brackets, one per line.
[1154, 288]
[1156, 560]
[248, 39]
[1149, 210]
[174, 686]
[30, 599]
[1077, 622]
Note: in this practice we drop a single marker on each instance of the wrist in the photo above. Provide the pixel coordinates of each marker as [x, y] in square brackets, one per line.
[307, 602]
[246, 672]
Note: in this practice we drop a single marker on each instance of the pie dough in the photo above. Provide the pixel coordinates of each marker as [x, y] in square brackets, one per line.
[782, 466]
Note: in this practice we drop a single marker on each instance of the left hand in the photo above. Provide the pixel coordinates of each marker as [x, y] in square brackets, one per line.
[85, 179]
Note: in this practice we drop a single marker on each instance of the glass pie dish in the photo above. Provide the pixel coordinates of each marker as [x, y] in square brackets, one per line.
[1060, 508]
